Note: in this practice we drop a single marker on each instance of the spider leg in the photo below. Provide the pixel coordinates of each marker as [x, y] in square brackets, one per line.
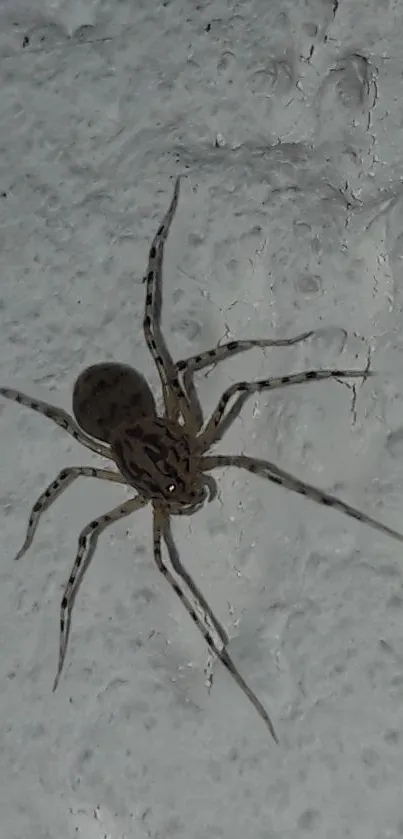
[268, 470]
[181, 571]
[220, 652]
[59, 416]
[231, 348]
[59, 485]
[175, 398]
[188, 366]
[87, 542]
[212, 430]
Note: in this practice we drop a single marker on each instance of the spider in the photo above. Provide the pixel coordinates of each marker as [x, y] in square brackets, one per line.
[165, 458]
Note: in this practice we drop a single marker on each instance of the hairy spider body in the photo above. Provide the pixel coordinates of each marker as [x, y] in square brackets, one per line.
[165, 458]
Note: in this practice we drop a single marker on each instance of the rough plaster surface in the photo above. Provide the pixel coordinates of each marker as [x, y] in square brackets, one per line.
[286, 118]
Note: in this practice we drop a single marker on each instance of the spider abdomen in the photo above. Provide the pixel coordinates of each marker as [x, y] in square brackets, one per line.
[155, 456]
[107, 394]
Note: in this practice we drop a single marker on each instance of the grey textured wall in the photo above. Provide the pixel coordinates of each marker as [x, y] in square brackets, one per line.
[286, 118]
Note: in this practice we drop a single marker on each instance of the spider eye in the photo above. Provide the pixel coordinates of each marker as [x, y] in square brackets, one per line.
[171, 488]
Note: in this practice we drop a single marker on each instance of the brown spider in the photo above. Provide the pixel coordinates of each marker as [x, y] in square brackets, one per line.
[164, 458]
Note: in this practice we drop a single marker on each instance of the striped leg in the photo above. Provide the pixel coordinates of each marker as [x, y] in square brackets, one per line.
[188, 366]
[57, 415]
[181, 571]
[212, 431]
[87, 542]
[268, 470]
[175, 399]
[217, 650]
[231, 348]
[61, 482]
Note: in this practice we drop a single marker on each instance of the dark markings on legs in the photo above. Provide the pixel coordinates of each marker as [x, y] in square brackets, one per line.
[87, 542]
[232, 348]
[208, 436]
[268, 470]
[59, 416]
[181, 571]
[59, 485]
[189, 366]
[175, 398]
[220, 652]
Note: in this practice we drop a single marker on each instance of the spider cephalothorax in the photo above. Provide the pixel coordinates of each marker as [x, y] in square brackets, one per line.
[159, 459]
[166, 458]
